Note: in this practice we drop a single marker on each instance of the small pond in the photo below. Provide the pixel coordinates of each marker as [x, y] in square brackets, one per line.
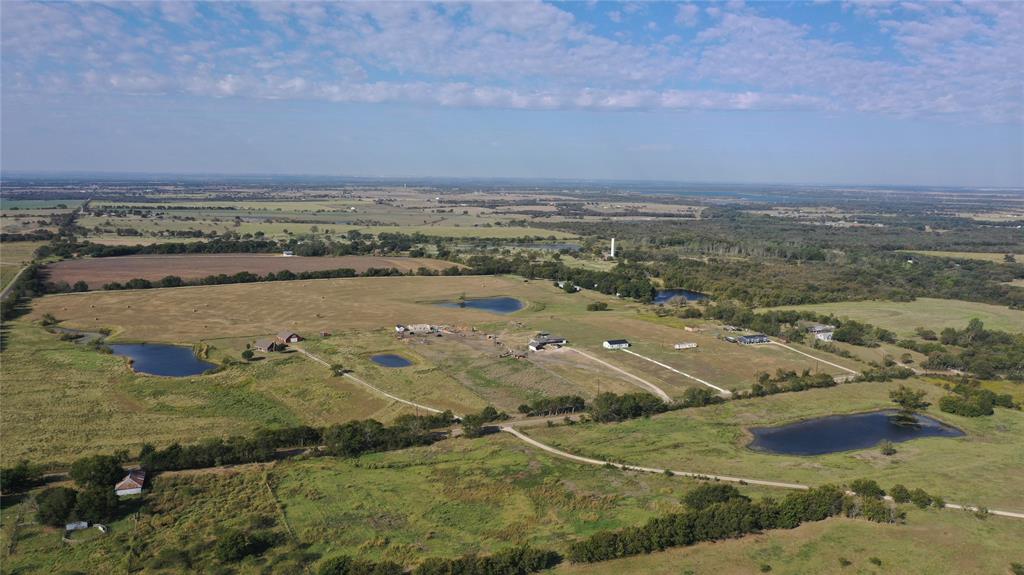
[664, 295]
[844, 433]
[390, 360]
[159, 359]
[492, 304]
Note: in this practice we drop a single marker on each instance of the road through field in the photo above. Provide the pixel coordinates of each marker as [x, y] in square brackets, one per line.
[846, 369]
[654, 388]
[684, 374]
[361, 382]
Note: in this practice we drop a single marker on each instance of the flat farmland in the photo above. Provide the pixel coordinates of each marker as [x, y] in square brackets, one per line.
[935, 314]
[191, 314]
[14, 256]
[62, 400]
[99, 271]
[997, 257]
[727, 365]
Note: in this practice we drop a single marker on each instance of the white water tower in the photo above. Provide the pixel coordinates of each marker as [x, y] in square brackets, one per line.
[612, 254]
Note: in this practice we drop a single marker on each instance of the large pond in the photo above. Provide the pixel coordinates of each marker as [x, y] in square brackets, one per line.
[844, 433]
[390, 360]
[492, 304]
[159, 359]
[664, 295]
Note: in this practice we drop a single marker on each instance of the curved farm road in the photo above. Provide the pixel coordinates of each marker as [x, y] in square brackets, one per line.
[566, 455]
[598, 462]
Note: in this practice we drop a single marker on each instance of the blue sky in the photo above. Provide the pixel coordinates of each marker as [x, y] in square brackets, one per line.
[870, 93]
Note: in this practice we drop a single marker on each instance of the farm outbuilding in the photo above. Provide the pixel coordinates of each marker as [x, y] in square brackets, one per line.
[687, 345]
[541, 341]
[131, 484]
[269, 345]
[616, 344]
[288, 337]
[752, 339]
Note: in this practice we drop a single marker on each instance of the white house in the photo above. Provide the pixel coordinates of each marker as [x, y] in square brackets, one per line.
[824, 335]
[688, 345]
[616, 344]
[131, 484]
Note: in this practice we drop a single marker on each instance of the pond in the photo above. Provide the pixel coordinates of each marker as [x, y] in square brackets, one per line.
[844, 433]
[390, 360]
[159, 359]
[664, 295]
[492, 304]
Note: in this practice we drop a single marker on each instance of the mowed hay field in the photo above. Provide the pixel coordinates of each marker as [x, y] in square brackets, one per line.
[981, 468]
[935, 314]
[99, 271]
[190, 314]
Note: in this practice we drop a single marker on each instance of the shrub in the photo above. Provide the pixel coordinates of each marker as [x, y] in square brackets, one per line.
[899, 493]
[710, 493]
[236, 545]
[597, 306]
[887, 448]
[867, 488]
[920, 498]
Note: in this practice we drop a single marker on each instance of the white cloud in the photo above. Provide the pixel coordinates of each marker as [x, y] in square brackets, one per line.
[687, 15]
[953, 59]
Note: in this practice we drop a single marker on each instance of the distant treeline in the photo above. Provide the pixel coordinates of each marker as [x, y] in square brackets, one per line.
[242, 277]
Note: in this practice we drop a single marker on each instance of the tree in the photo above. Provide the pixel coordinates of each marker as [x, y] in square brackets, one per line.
[910, 402]
[247, 354]
[80, 286]
[97, 470]
[96, 504]
[597, 306]
[20, 477]
[55, 505]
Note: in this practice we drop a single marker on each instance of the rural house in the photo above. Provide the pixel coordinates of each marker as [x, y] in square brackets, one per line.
[131, 484]
[616, 344]
[752, 339]
[416, 328]
[269, 345]
[687, 345]
[543, 340]
[288, 337]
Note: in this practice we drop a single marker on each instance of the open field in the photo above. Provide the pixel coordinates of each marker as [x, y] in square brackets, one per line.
[188, 315]
[61, 400]
[983, 256]
[935, 314]
[482, 495]
[99, 271]
[930, 543]
[14, 256]
[980, 468]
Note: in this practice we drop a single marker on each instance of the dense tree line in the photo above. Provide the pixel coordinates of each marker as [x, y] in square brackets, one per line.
[608, 406]
[240, 277]
[786, 381]
[623, 280]
[515, 561]
[734, 517]
[22, 477]
[553, 405]
[475, 424]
